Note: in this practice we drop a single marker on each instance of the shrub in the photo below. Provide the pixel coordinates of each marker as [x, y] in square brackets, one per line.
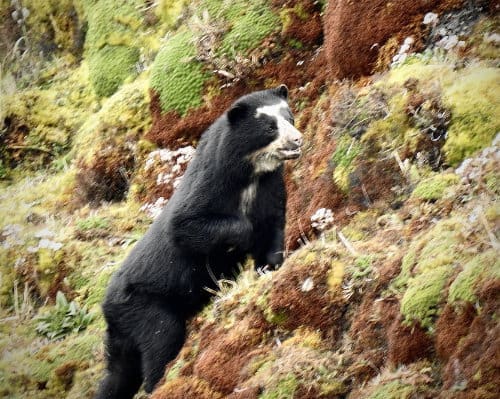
[65, 318]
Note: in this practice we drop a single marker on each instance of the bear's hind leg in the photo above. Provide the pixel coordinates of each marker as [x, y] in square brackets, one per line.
[124, 374]
[160, 343]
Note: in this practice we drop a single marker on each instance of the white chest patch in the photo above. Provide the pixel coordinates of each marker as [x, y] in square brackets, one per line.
[248, 198]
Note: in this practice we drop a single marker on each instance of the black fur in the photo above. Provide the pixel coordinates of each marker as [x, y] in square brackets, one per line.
[202, 232]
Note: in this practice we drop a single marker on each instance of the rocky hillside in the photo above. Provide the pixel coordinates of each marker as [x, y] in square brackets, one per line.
[391, 284]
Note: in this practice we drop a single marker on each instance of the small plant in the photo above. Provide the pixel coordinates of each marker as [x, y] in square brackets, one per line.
[65, 318]
[91, 228]
[92, 222]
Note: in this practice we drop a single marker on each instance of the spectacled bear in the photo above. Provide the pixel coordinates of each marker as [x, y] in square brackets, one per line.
[229, 205]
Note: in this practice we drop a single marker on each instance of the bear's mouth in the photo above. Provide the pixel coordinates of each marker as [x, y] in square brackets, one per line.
[290, 151]
[290, 154]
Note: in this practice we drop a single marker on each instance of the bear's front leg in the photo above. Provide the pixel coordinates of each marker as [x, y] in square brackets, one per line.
[269, 249]
[205, 233]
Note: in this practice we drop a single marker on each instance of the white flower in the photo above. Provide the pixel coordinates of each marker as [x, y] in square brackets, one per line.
[431, 19]
[322, 219]
[307, 285]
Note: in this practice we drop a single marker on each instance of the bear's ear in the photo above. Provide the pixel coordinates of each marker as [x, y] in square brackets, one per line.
[282, 91]
[237, 112]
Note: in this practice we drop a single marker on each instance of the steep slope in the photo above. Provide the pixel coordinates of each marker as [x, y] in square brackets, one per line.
[391, 284]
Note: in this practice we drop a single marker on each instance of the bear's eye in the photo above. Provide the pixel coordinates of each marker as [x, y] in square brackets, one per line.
[272, 126]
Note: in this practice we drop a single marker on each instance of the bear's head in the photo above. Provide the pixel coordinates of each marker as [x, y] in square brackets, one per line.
[265, 128]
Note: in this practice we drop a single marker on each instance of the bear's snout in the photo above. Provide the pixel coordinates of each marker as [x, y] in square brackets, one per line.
[291, 141]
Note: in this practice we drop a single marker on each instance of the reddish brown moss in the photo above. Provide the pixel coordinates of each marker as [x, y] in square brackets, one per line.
[355, 31]
[474, 365]
[66, 372]
[319, 308]
[247, 393]
[171, 130]
[222, 361]
[373, 180]
[185, 387]
[452, 325]
[370, 324]
[106, 177]
[407, 344]
[315, 168]
[303, 22]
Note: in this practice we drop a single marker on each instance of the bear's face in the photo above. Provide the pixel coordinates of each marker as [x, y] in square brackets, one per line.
[266, 123]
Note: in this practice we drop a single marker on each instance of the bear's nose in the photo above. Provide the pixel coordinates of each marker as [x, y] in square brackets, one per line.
[299, 141]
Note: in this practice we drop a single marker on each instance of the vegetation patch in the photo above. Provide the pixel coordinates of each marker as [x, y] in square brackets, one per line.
[65, 318]
[176, 75]
[434, 188]
[425, 291]
[111, 43]
[38, 124]
[346, 152]
[108, 145]
[249, 29]
[476, 271]
[473, 98]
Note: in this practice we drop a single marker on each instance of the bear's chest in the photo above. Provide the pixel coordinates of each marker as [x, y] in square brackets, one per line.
[247, 198]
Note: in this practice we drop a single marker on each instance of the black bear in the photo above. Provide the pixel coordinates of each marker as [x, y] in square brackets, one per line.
[229, 205]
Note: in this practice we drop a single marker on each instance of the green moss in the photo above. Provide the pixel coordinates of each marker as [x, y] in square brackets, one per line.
[475, 121]
[48, 116]
[389, 133]
[110, 66]
[478, 42]
[97, 289]
[362, 267]
[284, 389]
[482, 267]
[304, 338]
[92, 222]
[49, 268]
[426, 268]
[287, 14]
[471, 94]
[169, 11]
[176, 76]
[333, 387]
[335, 275]
[45, 365]
[54, 20]
[345, 153]
[7, 275]
[393, 390]
[434, 188]
[123, 116]
[248, 30]
[247, 23]
[362, 225]
[407, 265]
[112, 44]
[175, 369]
[425, 292]
[76, 350]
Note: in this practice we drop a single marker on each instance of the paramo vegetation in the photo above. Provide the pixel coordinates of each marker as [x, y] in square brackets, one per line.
[391, 284]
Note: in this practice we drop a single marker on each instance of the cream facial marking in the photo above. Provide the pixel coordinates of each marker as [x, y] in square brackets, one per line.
[285, 146]
[287, 132]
